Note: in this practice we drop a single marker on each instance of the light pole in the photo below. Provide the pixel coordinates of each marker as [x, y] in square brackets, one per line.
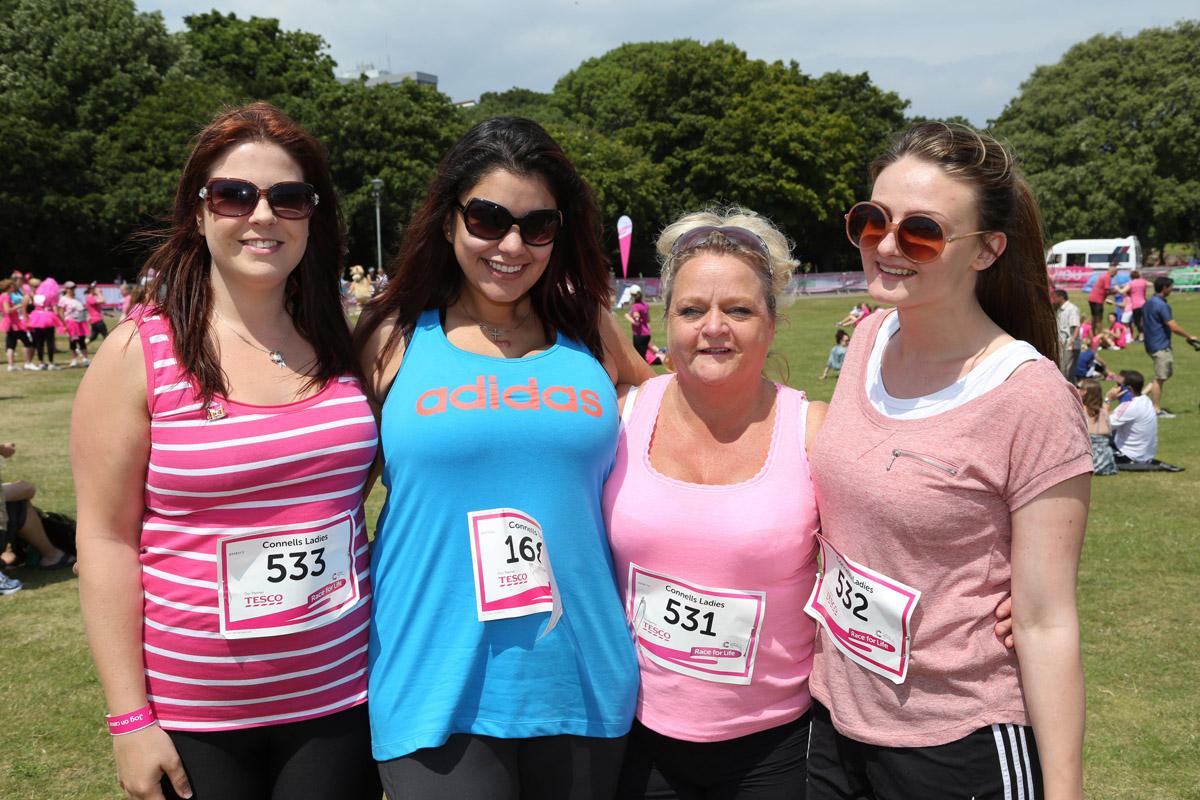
[376, 192]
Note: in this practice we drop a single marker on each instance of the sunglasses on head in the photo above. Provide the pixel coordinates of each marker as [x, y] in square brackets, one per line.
[232, 197]
[918, 238]
[487, 220]
[740, 237]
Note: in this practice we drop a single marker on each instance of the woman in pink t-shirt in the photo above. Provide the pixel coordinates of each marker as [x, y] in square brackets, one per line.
[953, 467]
[639, 321]
[1136, 291]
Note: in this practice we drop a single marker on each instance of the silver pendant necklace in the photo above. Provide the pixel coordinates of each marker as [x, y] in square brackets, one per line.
[494, 333]
[275, 355]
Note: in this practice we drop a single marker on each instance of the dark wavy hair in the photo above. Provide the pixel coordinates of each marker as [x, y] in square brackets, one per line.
[181, 261]
[569, 295]
[1015, 290]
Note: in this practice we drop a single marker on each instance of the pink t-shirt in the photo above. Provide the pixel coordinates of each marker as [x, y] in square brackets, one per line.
[641, 313]
[1137, 292]
[753, 536]
[1120, 334]
[1100, 289]
[928, 502]
[231, 469]
[94, 307]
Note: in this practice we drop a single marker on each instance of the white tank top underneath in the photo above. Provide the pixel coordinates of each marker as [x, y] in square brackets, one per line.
[983, 377]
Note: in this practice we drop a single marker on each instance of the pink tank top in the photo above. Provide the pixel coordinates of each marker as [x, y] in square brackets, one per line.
[234, 468]
[683, 551]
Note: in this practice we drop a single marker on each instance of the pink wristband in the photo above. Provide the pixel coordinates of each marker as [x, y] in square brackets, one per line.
[121, 724]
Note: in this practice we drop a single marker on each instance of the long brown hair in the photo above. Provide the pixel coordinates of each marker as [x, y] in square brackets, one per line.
[1015, 290]
[1092, 396]
[426, 275]
[180, 264]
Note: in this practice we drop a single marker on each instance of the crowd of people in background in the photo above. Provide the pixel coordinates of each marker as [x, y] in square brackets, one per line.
[1122, 421]
[35, 311]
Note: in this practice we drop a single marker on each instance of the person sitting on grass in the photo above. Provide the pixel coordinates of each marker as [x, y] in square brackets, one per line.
[857, 314]
[1099, 431]
[21, 520]
[1134, 424]
[841, 340]
[1087, 365]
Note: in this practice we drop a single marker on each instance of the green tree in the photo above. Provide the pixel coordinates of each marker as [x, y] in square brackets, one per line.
[625, 182]
[1108, 136]
[538, 106]
[732, 130]
[138, 159]
[68, 70]
[395, 133]
[261, 59]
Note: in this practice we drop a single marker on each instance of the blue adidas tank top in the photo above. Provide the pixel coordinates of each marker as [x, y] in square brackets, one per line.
[461, 434]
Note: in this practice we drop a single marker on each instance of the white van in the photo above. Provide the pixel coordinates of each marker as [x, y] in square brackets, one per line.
[1095, 254]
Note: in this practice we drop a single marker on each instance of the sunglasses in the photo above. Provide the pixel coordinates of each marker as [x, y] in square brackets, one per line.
[918, 238]
[740, 237]
[487, 220]
[231, 197]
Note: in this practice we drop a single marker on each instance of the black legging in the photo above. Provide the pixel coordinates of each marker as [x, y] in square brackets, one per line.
[43, 342]
[767, 765]
[99, 330]
[327, 758]
[476, 767]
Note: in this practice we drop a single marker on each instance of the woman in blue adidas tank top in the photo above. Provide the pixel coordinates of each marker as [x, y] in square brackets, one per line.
[501, 665]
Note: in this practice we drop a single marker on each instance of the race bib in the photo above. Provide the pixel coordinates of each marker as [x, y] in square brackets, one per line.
[698, 631]
[513, 577]
[270, 584]
[867, 615]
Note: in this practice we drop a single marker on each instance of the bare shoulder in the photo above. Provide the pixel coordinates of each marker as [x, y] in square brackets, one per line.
[379, 366]
[817, 409]
[117, 375]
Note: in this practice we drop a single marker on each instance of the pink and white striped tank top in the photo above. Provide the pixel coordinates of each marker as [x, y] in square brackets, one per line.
[236, 468]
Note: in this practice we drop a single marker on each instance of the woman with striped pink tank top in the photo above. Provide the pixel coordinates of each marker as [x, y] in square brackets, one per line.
[224, 570]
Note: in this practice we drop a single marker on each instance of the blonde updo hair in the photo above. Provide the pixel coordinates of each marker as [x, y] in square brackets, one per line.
[773, 274]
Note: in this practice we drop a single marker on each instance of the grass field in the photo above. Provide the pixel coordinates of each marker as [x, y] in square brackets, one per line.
[1139, 595]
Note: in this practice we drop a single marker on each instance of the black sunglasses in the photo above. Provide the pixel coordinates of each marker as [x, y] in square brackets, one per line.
[487, 220]
[232, 197]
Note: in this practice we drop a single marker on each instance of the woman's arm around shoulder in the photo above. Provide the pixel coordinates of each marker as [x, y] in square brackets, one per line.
[378, 366]
[1047, 537]
[622, 363]
[110, 451]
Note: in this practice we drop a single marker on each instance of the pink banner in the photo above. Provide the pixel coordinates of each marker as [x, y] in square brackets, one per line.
[624, 239]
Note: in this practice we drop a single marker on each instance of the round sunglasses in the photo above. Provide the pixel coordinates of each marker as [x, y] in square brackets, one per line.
[918, 238]
[233, 197]
[491, 221]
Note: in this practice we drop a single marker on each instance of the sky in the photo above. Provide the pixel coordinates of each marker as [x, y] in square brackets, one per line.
[946, 57]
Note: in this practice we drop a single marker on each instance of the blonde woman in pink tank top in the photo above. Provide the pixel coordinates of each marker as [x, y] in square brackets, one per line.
[953, 468]
[711, 517]
[224, 574]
